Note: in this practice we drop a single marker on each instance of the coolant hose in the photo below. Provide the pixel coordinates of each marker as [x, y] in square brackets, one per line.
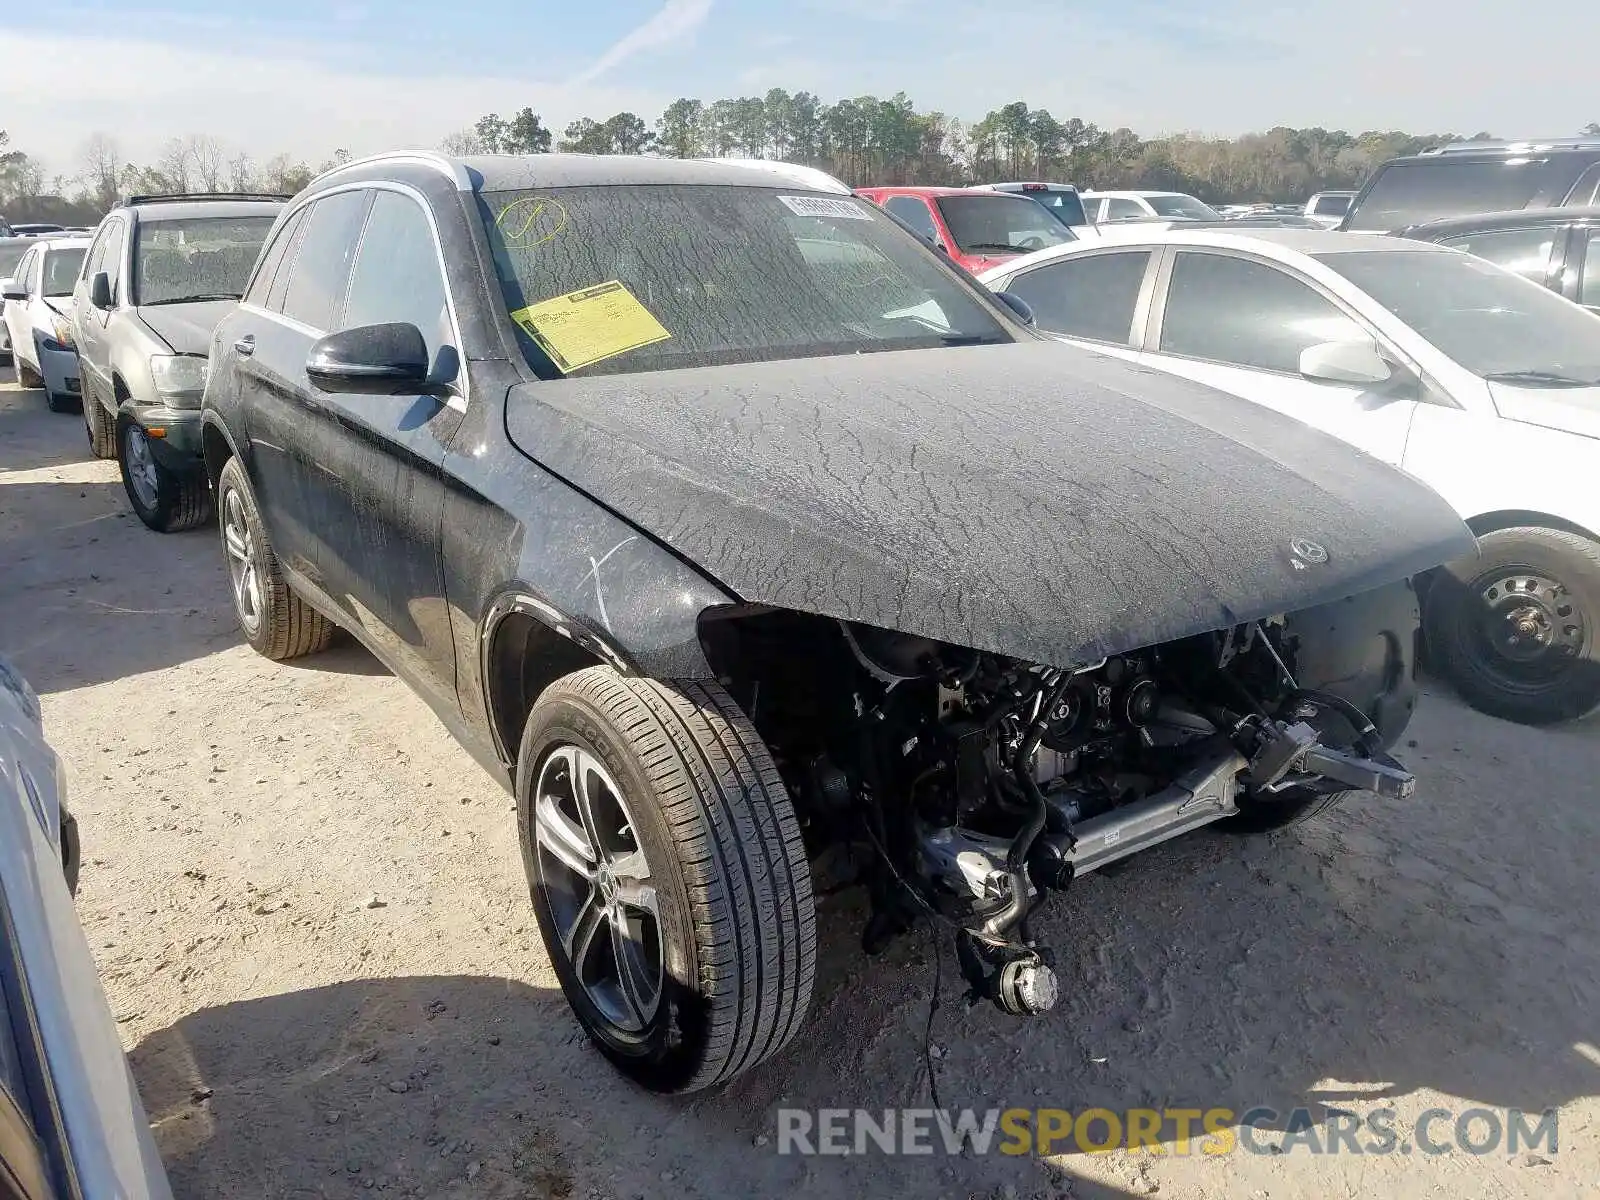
[1021, 767]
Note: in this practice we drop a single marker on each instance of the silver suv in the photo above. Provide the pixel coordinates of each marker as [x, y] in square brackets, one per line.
[160, 274]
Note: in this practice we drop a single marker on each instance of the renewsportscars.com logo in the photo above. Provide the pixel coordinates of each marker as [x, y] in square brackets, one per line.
[1178, 1131]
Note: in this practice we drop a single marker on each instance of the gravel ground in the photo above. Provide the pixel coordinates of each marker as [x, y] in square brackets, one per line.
[308, 910]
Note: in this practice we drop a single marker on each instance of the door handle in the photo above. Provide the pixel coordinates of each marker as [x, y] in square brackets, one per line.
[246, 345]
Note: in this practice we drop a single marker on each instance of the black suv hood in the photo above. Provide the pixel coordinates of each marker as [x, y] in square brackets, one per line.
[1039, 501]
[186, 327]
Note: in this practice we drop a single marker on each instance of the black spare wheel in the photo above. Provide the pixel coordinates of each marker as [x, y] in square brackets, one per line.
[275, 621]
[167, 501]
[1515, 626]
[669, 878]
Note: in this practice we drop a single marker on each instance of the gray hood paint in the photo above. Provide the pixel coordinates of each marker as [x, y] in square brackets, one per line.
[186, 327]
[1034, 500]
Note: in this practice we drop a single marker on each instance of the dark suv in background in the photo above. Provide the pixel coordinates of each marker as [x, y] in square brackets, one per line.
[160, 274]
[1477, 177]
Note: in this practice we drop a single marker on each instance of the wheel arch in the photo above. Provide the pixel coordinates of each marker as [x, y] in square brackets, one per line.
[1512, 518]
[524, 645]
[216, 447]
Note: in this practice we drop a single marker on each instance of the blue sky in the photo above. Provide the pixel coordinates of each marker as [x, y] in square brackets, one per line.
[303, 77]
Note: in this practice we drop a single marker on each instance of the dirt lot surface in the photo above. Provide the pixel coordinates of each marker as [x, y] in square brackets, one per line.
[308, 910]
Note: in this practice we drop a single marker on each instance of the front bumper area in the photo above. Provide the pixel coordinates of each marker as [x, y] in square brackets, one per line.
[60, 371]
[174, 433]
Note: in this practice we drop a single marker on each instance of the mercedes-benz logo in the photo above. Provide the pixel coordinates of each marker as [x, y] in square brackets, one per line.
[1308, 551]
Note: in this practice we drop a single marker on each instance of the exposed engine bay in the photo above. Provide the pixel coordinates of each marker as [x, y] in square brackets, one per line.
[980, 785]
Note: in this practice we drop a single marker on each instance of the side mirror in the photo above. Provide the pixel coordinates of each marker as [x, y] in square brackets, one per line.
[373, 360]
[10, 289]
[100, 290]
[1019, 306]
[1344, 362]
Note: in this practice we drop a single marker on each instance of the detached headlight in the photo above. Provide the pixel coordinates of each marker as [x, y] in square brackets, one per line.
[60, 335]
[179, 376]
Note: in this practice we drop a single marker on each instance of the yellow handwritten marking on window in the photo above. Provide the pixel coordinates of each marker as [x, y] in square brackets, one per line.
[532, 221]
[585, 327]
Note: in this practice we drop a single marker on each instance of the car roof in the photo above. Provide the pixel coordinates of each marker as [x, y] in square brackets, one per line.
[917, 190]
[1133, 192]
[64, 241]
[1289, 240]
[519, 172]
[193, 210]
[1516, 218]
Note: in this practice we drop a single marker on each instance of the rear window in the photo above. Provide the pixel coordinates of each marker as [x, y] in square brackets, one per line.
[11, 255]
[61, 269]
[1405, 193]
[1330, 206]
[999, 223]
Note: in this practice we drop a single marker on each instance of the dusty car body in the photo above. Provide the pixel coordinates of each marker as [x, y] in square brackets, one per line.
[806, 543]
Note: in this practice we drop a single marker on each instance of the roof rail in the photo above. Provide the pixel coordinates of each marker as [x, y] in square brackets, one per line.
[178, 197]
[1525, 146]
[443, 163]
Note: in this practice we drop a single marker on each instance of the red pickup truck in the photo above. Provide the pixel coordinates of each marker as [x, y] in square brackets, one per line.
[978, 229]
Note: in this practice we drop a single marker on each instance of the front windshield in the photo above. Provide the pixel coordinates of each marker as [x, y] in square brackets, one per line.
[1495, 324]
[618, 279]
[1185, 208]
[61, 270]
[198, 258]
[1000, 224]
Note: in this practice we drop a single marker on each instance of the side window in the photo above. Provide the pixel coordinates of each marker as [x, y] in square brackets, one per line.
[1587, 189]
[914, 212]
[1093, 296]
[113, 260]
[1525, 251]
[23, 273]
[1589, 289]
[1249, 314]
[397, 276]
[1120, 208]
[94, 260]
[272, 256]
[321, 267]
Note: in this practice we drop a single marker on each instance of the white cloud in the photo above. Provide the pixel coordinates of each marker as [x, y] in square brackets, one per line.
[676, 20]
[265, 98]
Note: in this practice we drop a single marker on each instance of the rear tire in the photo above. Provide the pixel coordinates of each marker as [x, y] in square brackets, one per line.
[1516, 627]
[277, 623]
[98, 423]
[166, 501]
[27, 377]
[707, 853]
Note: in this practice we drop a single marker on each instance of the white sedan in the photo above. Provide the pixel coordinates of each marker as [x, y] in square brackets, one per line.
[1482, 384]
[38, 316]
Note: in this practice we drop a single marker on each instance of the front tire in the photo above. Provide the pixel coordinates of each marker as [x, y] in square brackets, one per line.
[1516, 627]
[668, 874]
[277, 623]
[163, 499]
[98, 423]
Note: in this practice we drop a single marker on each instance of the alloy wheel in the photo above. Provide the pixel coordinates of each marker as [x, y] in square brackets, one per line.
[243, 567]
[598, 886]
[141, 467]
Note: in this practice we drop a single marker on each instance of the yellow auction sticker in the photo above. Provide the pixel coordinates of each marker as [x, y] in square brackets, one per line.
[586, 327]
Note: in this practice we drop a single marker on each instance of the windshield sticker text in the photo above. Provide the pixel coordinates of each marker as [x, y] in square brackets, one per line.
[825, 206]
[587, 326]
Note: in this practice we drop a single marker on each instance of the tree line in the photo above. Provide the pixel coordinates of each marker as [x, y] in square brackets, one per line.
[864, 140]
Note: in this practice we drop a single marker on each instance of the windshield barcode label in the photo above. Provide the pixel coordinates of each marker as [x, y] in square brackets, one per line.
[826, 206]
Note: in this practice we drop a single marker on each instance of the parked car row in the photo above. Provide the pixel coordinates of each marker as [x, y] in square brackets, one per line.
[725, 516]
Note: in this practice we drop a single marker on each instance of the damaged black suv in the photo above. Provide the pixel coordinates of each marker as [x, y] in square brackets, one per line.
[726, 523]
